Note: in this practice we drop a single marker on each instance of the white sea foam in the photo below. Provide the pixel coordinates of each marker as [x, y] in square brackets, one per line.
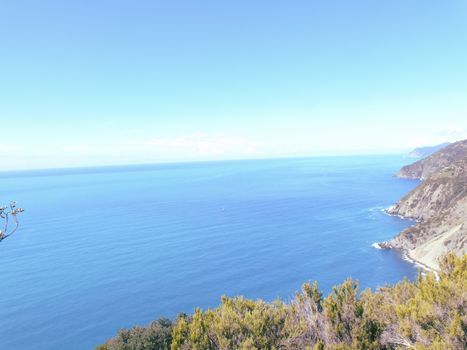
[376, 245]
[378, 208]
[425, 269]
[402, 217]
[407, 258]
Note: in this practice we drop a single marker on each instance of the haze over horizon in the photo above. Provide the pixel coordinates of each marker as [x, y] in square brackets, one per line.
[104, 82]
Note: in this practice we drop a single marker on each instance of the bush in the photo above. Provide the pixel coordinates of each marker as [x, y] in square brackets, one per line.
[426, 314]
[156, 336]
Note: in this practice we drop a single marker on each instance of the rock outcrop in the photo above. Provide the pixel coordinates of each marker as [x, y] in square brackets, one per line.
[439, 204]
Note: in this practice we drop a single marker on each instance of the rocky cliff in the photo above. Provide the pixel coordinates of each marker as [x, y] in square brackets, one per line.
[439, 204]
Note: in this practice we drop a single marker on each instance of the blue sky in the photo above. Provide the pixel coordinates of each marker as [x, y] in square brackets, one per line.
[115, 82]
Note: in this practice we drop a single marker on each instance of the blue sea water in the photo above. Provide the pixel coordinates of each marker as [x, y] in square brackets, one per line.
[104, 248]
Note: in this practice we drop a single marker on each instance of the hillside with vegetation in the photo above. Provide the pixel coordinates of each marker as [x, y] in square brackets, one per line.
[439, 204]
[426, 314]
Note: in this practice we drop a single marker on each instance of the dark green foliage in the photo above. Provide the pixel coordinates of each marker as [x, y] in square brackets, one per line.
[156, 336]
[426, 314]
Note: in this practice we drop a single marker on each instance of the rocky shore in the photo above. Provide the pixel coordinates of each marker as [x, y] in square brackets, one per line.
[438, 204]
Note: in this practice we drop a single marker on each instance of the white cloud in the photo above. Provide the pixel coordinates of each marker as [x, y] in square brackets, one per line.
[7, 149]
[421, 141]
[200, 145]
[79, 149]
[449, 133]
[453, 132]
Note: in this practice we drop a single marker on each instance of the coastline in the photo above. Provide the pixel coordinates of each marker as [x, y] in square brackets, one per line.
[408, 218]
[408, 254]
[408, 257]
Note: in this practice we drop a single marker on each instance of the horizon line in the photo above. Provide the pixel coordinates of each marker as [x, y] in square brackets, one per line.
[195, 161]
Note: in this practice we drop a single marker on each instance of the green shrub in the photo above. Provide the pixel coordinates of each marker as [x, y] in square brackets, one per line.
[426, 314]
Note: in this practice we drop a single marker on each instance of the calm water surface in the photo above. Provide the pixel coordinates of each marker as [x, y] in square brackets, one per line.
[105, 248]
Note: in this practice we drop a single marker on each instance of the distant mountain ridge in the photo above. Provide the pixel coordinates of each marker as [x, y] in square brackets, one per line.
[439, 204]
[423, 152]
[424, 168]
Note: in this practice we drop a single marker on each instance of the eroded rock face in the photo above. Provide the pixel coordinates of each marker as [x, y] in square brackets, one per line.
[439, 192]
[439, 204]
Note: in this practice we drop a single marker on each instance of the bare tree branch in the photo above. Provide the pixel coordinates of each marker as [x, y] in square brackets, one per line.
[5, 214]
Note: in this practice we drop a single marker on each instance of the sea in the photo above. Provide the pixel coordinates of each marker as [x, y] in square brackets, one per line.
[105, 248]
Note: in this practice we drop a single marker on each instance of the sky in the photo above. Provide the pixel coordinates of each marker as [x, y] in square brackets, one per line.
[101, 82]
